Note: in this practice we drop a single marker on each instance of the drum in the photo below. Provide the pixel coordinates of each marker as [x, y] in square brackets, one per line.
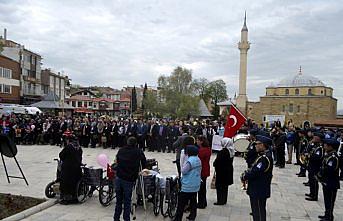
[241, 143]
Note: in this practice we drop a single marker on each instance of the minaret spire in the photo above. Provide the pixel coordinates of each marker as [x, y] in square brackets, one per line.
[245, 28]
[300, 70]
[243, 47]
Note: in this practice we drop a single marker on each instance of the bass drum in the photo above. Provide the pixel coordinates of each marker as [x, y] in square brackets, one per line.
[241, 143]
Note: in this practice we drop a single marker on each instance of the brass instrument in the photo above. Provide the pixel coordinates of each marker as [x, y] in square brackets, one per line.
[304, 158]
[244, 182]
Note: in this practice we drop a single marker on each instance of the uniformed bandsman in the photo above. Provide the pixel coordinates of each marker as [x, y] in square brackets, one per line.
[302, 150]
[251, 153]
[315, 161]
[329, 177]
[259, 178]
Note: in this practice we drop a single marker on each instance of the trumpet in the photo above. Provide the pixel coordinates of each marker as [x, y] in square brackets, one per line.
[244, 182]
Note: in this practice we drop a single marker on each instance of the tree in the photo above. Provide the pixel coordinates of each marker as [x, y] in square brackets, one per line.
[178, 98]
[1, 46]
[144, 96]
[133, 100]
[150, 103]
[216, 90]
[199, 86]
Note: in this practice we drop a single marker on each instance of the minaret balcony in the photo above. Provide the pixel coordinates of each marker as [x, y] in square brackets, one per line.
[243, 45]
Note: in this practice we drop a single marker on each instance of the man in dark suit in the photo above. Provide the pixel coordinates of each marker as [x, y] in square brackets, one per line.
[173, 133]
[141, 131]
[178, 145]
[162, 137]
[85, 133]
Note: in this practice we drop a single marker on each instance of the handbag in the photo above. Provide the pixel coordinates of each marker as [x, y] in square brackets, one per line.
[213, 181]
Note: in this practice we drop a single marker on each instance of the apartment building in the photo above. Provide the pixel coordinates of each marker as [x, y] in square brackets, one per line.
[9, 81]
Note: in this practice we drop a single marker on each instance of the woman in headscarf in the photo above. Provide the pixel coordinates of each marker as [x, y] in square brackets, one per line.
[71, 157]
[224, 170]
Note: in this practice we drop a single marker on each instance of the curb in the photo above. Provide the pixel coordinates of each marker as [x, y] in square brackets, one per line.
[31, 211]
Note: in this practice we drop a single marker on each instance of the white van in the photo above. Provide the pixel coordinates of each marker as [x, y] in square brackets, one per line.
[18, 109]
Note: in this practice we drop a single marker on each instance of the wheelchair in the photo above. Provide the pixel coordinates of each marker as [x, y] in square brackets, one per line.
[94, 179]
[170, 197]
[147, 189]
[53, 188]
[91, 179]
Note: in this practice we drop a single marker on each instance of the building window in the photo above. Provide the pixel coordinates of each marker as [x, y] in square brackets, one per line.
[297, 91]
[79, 104]
[90, 104]
[6, 89]
[291, 108]
[73, 103]
[287, 91]
[5, 73]
[298, 109]
[283, 108]
[85, 104]
[310, 91]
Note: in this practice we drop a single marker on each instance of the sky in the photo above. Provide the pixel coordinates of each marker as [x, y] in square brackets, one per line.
[129, 42]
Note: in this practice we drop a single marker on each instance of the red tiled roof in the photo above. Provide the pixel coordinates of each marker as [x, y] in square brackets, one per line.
[80, 98]
[83, 110]
[104, 99]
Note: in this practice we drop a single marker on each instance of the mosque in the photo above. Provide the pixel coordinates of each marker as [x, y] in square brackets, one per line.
[297, 98]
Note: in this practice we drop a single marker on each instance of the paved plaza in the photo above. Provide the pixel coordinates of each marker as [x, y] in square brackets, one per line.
[286, 203]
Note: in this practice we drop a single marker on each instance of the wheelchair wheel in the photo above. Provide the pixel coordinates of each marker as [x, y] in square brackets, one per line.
[82, 190]
[49, 191]
[157, 199]
[172, 204]
[106, 192]
[164, 205]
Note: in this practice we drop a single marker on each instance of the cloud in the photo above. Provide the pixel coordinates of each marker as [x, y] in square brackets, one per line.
[129, 42]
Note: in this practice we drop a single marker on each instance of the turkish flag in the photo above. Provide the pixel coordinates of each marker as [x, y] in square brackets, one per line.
[235, 119]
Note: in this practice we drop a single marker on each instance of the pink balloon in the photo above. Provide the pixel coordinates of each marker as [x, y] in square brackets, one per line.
[102, 160]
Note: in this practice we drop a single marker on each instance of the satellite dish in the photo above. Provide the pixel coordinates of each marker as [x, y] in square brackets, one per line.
[7, 146]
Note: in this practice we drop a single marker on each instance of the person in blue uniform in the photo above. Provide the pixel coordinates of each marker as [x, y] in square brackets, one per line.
[329, 177]
[251, 154]
[302, 149]
[259, 178]
[315, 161]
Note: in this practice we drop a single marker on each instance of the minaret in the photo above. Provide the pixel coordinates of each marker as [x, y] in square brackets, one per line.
[243, 46]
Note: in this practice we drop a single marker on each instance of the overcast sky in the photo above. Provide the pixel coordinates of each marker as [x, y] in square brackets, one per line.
[130, 42]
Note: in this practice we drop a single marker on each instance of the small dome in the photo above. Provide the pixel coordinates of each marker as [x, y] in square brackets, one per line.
[300, 80]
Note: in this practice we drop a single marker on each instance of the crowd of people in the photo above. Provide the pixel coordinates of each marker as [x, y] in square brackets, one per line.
[317, 152]
[156, 134]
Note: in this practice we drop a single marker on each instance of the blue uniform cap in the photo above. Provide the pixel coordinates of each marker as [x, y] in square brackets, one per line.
[319, 134]
[332, 142]
[264, 139]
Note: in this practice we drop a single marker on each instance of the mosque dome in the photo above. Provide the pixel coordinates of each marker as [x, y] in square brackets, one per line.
[300, 80]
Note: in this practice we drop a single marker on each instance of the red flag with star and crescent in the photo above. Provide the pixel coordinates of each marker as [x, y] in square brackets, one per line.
[235, 119]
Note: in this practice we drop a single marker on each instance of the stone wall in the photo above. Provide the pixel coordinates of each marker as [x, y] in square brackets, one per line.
[299, 109]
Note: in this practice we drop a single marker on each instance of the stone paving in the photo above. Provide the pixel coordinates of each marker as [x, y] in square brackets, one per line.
[286, 203]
